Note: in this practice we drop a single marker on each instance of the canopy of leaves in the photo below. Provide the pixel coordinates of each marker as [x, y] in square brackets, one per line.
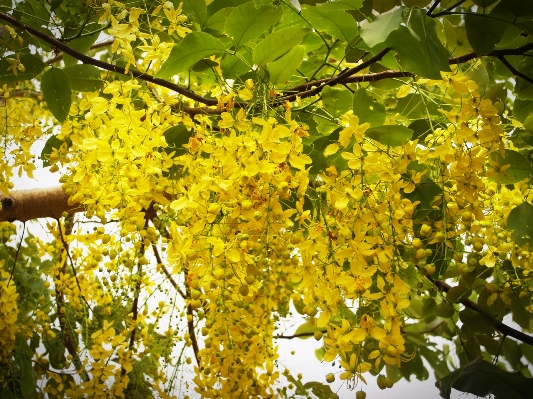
[363, 164]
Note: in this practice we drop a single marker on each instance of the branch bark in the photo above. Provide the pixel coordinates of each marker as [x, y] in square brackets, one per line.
[503, 328]
[34, 204]
[104, 65]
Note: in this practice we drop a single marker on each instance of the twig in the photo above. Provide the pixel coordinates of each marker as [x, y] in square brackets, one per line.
[494, 53]
[104, 65]
[190, 323]
[337, 79]
[65, 326]
[444, 12]
[65, 245]
[369, 77]
[503, 328]
[167, 273]
[432, 8]
[17, 254]
[300, 335]
[514, 70]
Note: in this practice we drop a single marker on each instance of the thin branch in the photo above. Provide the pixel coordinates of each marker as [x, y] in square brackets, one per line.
[337, 79]
[95, 46]
[300, 335]
[64, 325]
[65, 245]
[369, 77]
[494, 53]
[26, 93]
[17, 254]
[167, 273]
[190, 322]
[104, 65]
[444, 12]
[503, 328]
[514, 70]
[432, 8]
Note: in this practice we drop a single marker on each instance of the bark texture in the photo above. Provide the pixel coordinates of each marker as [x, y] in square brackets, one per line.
[34, 204]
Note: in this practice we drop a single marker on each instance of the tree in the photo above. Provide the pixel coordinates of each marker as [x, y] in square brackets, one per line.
[366, 163]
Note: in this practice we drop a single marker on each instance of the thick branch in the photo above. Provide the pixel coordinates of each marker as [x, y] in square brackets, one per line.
[503, 328]
[104, 65]
[34, 204]
[93, 47]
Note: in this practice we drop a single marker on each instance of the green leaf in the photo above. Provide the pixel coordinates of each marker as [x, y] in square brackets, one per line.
[306, 328]
[52, 143]
[484, 3]
[425, 192]
[56, 351]
[413, 107]
[218, 5]
[416, 3]
[84, 77]
[54, 4]
[496, 93]
[382, 6]
[520, 221]
[522, 109]
[390, 135]
[277, 44]
[218, 21]
[82, 44]
[28, 376]
[33, 66]
[176, 137]
[458, 294]
[195, 10]
[193, 48]
[350, 5]
[519, 169]
[483, 33]
[322, 391]
[336, 23]
[444, 310]
[233, 65]
[368, 109]
[419, 48]
[55, 87]
[381, 27]
[336, 101]
[246, 22]
[282, 69]
[481, 378]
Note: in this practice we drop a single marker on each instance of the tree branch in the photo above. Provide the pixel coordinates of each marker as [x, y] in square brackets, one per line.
[167, 273]
[190, 323]
[64, 325]
[494, 53]
[514, 70]
[300, 335]
[335, 80]
[93, 47]
[503, 328]
[104, 65]
[34, 204]
[369, 77]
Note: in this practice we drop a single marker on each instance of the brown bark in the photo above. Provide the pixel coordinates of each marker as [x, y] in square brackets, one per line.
[34, 204]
